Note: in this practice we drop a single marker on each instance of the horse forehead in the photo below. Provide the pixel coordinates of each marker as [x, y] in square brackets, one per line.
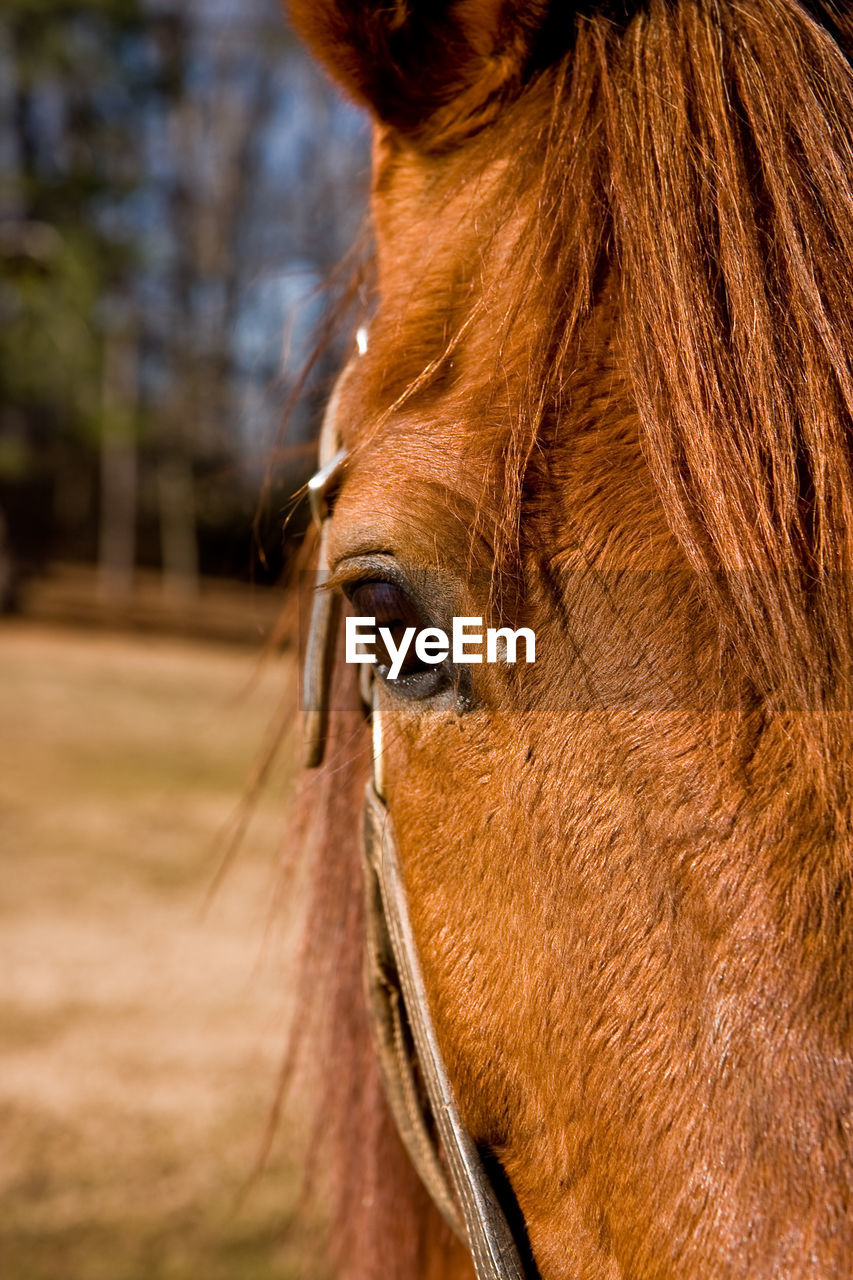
[409, 184]
[412, 488]
[427, 211]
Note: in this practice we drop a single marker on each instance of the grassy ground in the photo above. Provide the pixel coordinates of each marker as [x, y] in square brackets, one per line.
[140, 1030]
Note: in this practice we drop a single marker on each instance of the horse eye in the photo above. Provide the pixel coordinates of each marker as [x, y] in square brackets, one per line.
[395, 611]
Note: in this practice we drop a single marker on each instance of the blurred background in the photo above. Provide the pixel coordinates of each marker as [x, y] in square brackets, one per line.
[180, 190]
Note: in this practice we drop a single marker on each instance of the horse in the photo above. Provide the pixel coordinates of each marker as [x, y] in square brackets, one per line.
[604, 391]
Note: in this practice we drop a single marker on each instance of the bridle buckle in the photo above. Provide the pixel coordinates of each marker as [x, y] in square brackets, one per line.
[325, 612]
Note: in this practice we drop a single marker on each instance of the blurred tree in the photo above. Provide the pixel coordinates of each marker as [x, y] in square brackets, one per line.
[175, 185]
[75, 81]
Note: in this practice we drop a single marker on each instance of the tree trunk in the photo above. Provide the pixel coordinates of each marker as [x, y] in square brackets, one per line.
[117, 540]
[178, 527]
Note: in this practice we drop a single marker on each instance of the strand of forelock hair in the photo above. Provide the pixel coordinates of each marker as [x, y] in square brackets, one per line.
[423, 379]
[512, 464]
[354, 269]
[515, 443]
[563, 255]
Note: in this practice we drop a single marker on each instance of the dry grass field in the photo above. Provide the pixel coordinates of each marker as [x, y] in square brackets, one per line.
[141, 1028]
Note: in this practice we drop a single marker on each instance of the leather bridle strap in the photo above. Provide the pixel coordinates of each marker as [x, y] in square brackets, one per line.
[417, 1086]
[402, 1077]
[489, 1237]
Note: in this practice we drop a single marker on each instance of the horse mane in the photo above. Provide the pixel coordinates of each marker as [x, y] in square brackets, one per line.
[692, 167]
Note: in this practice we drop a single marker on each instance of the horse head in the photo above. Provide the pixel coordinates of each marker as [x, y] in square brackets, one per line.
[606, 395]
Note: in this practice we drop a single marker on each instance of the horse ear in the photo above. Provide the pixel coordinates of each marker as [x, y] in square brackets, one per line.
[435, 70]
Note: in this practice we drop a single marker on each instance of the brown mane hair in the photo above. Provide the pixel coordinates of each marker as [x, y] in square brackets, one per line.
[692, 165]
